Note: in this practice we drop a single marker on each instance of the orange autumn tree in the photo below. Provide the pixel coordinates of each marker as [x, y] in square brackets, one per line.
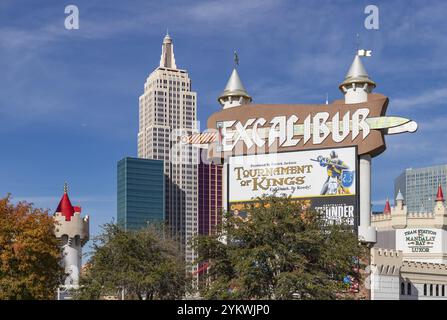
[29, 252]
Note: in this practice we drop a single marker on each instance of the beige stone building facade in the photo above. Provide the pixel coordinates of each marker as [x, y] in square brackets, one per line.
[409, 260]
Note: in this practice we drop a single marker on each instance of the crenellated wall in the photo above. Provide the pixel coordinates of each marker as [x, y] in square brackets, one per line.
[76, 226]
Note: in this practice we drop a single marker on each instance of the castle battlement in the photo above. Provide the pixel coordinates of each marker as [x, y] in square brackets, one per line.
[76, 226]
[381, 217]
[420, 266]
[421, 215]
[398, 217]
[386, 261]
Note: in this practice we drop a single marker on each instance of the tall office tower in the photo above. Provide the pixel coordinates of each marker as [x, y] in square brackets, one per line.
[140, 192]
[167, 112]
[418, 187]
[210, 197]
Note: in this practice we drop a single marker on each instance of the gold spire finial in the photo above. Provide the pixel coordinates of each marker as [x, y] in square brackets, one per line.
[65, 187]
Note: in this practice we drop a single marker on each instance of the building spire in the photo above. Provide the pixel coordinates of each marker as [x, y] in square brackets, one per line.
[439, 195]
[357, 74]
[357, 84]
[234, 93]
[399, 200]
[65, 207]
[167, 59]
[387, 209]
[399, 196]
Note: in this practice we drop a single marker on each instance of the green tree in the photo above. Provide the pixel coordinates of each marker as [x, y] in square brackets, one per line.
[143, 263]
[280, 251]
[30, 255]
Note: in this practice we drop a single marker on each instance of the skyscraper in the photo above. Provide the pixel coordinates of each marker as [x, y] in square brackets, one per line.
[418, 186]
[167, 112]
[140, 192]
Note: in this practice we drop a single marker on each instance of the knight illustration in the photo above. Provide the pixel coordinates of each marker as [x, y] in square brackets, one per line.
[339, 177]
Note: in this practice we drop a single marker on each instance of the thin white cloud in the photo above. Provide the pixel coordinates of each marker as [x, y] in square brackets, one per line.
[380, 202]
[239, 11]
[425, 100]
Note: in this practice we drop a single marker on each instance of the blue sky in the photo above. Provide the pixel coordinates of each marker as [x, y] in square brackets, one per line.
[69, 98]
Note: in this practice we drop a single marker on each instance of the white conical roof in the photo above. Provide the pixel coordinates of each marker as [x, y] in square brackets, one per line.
[399, 197]
[357, 73]
[234, 87]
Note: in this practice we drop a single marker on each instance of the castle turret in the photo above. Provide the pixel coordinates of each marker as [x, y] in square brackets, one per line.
[357, 83]
[439, 195]
[356, 87]
[73, 232]
[234, 93]
[399, 200]
[387, 209]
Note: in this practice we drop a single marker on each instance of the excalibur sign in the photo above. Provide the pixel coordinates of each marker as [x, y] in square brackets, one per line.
[285, 131]
[274, 135]
[251, 128]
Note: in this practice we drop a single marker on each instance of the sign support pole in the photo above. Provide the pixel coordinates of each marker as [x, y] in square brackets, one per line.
[366, 231]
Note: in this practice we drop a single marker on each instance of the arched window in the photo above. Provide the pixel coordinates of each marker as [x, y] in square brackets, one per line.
[77, 241]
[431, 290]
[64, 239]
[425, 289]
[409, 289]
[402, 288]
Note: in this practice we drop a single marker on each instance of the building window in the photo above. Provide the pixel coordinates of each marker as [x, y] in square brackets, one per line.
[409, 289]
[402, 288]
[443, 290]
[425, 289]
[437, 290]
[431, 290]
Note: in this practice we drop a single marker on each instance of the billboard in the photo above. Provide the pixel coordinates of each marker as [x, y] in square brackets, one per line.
[323, 179]
[420, 240]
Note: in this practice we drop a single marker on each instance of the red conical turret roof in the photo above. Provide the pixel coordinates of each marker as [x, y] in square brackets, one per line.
[387, 209]
[439, 195]
[65, 207]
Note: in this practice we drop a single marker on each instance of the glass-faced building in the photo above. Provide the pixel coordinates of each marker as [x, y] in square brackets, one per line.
[419, 187]
[140, 192]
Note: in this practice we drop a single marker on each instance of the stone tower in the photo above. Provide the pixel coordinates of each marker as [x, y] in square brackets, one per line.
[73, 232]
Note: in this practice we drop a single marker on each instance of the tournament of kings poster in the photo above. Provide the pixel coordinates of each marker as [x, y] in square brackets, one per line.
[323, 180]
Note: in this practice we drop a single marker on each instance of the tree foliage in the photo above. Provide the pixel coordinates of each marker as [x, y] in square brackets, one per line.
[29, 252]
[278, 252]
[143, 263]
